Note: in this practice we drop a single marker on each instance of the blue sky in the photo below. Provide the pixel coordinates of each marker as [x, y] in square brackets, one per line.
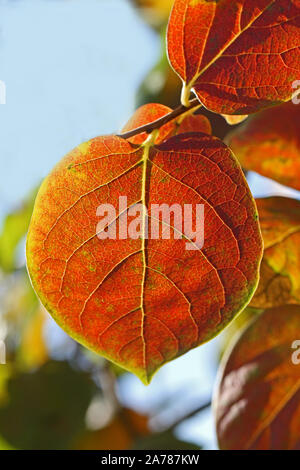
[71, 70]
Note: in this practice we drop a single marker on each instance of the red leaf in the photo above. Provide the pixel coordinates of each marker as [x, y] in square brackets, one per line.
[142, 303]
[149, 113]
[239, 56]
[269, 143]
[257, 404]
[191, 123]
[145, 115]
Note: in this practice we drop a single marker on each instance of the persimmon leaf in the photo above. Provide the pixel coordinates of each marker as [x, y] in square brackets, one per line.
[257, 404]
[143, 302]
[269, 143]
[146, 114]
[149, 113]
[193, 123]
[279, 278]
[238, 56]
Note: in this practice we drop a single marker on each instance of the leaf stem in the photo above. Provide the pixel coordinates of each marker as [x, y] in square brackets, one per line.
[162, 121]
[185, 95]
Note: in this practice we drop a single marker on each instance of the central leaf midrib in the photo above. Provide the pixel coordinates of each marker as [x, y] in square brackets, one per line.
[143, 248]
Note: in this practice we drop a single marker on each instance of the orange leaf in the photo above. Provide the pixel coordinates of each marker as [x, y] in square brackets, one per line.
[279, 277]
[149, 113]
[257, 404]
[238, 56]
[143, 302]
[191, 123]
[145, 115]
[269, 143]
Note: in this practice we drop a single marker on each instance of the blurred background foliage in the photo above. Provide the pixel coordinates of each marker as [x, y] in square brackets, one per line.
[54, 394]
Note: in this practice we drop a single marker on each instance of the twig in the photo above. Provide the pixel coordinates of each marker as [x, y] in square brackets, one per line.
[189, 415]
[160, 427]
[161, 121]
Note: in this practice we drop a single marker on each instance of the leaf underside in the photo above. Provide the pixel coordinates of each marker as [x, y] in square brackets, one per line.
[238, 56]
[142, 303]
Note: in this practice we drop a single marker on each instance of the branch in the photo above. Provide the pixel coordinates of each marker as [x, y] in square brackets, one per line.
[161, 121]
[191, 414]
[161, 427]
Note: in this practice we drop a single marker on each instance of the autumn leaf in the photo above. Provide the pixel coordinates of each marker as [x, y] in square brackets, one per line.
[238, 56]
[257, 404]
[193, 123]
[148, 113]
[143, 302]
[279, 278]
[269, 143]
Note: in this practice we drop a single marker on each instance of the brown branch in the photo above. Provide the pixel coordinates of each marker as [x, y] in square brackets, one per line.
[189, 415]
[161, 427]
[161, 121]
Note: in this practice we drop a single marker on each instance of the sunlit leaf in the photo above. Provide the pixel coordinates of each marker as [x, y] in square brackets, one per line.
[143, 302]
[238, 56]
[149, 113]
[257, 404]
